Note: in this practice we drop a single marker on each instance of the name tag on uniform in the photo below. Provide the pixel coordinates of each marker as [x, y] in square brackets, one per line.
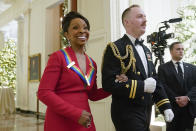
[149, 57]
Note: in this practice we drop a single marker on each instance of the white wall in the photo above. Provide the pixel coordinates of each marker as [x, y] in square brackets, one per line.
[40, 21]
[44, 39]
[158, 11]
[98, 14]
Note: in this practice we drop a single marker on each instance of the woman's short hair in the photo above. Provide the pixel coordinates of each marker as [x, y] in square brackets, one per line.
[69, 17]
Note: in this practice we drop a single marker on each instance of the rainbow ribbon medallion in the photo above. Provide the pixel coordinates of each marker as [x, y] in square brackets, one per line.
[71, 64]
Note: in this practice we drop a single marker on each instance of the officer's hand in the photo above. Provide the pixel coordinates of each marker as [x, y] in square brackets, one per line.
[149, 85]
[85, 119]
[121, 78]
[168, 115]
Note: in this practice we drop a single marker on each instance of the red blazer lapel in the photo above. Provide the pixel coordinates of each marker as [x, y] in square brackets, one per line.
[90, 69]
[72, 63]
[89, 64]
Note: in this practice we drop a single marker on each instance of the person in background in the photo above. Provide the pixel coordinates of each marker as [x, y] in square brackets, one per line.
[178, 79]
[132, 99]
[69, 80]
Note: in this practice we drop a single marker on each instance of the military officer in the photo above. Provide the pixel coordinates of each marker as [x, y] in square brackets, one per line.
[132, 99]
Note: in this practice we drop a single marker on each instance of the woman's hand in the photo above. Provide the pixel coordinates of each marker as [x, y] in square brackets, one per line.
[85, 119]
[121, 78]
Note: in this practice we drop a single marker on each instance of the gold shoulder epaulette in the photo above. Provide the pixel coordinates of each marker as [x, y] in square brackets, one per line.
[129, 51]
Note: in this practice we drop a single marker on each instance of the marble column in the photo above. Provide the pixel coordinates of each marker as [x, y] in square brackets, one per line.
[19, 61]
[22, 89]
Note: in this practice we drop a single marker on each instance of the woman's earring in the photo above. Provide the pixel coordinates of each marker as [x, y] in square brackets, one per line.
[68, 42]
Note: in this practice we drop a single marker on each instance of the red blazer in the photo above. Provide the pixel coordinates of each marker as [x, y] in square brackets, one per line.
[63, 91]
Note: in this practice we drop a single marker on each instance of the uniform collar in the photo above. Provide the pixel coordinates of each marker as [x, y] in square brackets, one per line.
[132, 38]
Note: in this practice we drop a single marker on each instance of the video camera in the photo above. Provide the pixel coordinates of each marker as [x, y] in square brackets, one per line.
[158, 39]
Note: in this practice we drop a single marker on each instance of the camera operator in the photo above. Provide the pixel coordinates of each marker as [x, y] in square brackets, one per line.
[177, 78]
[158, 40]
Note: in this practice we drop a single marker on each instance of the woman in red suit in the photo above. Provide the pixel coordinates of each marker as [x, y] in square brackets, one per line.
[69, 80]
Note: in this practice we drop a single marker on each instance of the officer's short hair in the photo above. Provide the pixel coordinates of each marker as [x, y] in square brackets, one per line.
[126, 11]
